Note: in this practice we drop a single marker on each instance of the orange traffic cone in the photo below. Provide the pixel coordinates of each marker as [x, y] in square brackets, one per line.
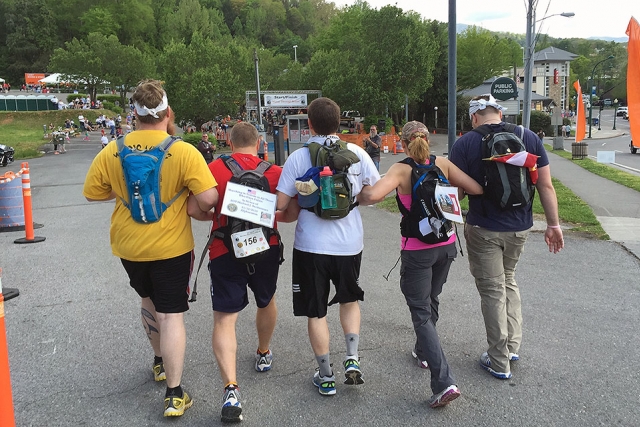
[7, 418]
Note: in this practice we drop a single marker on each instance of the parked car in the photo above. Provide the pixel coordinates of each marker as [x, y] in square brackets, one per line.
[620, 112]
[350, 118]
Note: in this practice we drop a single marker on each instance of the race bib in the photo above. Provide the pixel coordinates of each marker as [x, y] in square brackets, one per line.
[249, 242]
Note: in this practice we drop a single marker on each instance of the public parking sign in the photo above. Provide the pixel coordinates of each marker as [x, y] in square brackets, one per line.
[504, 88]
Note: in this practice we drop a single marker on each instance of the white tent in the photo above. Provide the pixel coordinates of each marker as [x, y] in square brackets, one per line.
[52, 79]
[1, 80]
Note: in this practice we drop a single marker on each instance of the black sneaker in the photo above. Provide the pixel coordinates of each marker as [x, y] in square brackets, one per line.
[231, 406]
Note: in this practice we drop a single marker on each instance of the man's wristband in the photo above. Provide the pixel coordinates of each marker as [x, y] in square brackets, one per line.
[553, 226]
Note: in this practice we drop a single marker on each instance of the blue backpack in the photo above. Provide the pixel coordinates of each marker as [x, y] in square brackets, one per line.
[142, 177]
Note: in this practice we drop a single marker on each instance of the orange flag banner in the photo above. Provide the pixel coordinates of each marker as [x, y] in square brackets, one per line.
[581, 120]
[633, 80]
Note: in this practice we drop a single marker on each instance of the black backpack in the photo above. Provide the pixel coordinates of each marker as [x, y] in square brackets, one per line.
[424, 179]
[507, 186]
[254, 179]
[339, 159]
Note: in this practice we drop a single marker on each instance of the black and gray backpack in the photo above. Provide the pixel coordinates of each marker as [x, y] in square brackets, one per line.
[507, 186]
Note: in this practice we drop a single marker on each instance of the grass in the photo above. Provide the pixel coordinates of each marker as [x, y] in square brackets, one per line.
[571, 210]
[608, 172]
[24, 132]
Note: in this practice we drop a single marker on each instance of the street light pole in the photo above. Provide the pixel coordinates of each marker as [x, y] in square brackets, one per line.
[591, 91]
[295, 52]
[615, 112]
[528, 65]
[530, 44]
[436, 111]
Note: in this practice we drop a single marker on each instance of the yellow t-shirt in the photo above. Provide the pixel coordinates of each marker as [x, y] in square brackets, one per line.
[183, 166]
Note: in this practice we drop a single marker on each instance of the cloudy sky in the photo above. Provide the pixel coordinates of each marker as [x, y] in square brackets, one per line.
[593, 18]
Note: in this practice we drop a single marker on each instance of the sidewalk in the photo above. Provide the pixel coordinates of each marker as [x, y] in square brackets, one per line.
[595, 134]
[616, 207]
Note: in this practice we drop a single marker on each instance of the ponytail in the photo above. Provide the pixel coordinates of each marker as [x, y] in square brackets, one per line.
[418, 147]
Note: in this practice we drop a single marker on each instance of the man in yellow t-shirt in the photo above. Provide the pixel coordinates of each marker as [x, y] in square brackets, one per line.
[157, 256]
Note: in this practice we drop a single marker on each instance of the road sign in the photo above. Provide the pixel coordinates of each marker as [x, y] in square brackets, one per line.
[504, 88]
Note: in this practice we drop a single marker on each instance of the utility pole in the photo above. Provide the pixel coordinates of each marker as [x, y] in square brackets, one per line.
[255, 59]
[452, 76]
[528, 65]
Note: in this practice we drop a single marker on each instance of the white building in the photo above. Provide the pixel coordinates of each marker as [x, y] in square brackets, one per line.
[551, 71]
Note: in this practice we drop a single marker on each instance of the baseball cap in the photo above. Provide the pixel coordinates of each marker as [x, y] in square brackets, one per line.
[413, 127]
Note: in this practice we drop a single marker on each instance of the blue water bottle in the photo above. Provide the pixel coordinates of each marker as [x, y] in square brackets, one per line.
[327, 190]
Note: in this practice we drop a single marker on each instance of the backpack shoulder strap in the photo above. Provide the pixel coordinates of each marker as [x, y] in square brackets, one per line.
[262, 167]
[120, 143]
[509, 127]
[483, 130]
[168, 142]
[407, 161]
[314, 149]
[233, 165]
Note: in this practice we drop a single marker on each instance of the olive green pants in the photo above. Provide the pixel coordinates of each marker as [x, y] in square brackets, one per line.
[493, 256]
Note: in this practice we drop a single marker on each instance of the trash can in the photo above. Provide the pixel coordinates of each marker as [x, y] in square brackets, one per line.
[578, 150]
[382, 125]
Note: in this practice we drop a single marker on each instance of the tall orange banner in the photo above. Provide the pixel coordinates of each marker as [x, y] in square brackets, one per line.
[633, 79]
[581, 120]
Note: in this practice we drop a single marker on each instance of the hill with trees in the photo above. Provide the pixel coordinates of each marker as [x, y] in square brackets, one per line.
[366, 59]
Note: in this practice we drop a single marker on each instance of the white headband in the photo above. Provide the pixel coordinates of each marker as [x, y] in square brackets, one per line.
[145, 111]
[481, 104]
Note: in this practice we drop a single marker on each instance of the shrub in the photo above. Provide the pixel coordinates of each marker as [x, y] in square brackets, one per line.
[194, 139]
[111, 98]
[110, 106]
[540, 120]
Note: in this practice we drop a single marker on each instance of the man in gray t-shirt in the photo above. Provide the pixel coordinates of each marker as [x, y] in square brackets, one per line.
[372, 143]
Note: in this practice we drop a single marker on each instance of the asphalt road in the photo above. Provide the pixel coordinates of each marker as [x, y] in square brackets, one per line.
[79, 356]
[617, 141]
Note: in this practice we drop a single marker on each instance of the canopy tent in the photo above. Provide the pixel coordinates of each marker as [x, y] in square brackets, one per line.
[54, 78]
[1, 80]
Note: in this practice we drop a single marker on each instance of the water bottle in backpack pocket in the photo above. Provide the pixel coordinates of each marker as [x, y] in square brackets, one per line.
[338, 158]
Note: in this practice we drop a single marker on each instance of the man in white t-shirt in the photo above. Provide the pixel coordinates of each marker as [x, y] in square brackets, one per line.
[326, 251]
[104, 141]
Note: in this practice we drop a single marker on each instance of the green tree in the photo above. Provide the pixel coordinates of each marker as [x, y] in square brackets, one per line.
[99, 20]
[370, 59]
[481, 55]
[437, 94]
[30, 37]
[82, 61]
[198, 80]
[191, 17]
[126, 67]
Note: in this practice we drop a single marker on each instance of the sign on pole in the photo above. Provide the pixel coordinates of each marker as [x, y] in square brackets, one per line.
[504, 88]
